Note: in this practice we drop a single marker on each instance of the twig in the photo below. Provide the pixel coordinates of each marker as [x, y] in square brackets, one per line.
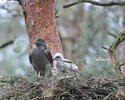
[6, 44]
[69, 77]
[108, 96]
[105, 48]
[121, 64]
[111, 3]
[38, 98]
[113, 35]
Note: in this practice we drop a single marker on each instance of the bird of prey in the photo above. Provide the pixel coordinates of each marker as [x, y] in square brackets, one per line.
[40, 57]
[64, 65]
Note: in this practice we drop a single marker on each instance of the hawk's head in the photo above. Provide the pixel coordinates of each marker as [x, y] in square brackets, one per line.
[40, 42]
[58, 57]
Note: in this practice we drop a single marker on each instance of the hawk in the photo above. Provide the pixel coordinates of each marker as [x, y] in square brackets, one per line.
[40, 57]
[64, 65]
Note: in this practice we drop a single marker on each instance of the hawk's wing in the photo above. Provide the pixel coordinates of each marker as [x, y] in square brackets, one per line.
[68, 61]
[71, 65]
[62, 67]
[30, 57]
[49, 55]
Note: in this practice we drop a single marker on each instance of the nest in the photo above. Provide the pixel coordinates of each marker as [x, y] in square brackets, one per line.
[67, 87]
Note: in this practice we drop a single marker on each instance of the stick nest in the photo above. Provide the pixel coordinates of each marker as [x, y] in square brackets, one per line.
[66, 87]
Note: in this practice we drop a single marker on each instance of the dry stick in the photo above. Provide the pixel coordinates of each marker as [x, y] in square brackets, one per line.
[111, 3]
[113, 58]
[112, 50]
[108, 96]
[38, 98]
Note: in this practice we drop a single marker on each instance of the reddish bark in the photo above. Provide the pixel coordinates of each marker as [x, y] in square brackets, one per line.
[122, 46]
[114, 60]
[40, 22]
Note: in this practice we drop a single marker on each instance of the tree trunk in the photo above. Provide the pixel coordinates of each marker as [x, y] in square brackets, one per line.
[40, 22]
[122, 46]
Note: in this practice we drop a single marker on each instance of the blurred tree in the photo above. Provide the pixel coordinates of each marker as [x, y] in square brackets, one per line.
[122, 46]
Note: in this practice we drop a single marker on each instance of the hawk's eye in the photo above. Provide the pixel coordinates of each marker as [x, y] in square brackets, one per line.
[39, 39]
[58, 57]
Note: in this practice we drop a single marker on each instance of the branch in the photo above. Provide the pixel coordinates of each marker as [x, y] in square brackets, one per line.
[104, 48]
[121, 65]
[112, 50]
[111, 3]
[113, 35]
[6, 44]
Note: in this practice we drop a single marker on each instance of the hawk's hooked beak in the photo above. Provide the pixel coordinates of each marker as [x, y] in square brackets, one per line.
[35, 41]
[54, 59]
